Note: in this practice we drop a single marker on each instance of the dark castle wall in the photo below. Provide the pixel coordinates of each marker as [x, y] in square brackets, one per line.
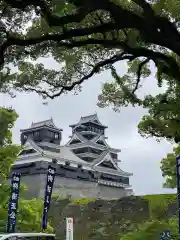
[68, 182]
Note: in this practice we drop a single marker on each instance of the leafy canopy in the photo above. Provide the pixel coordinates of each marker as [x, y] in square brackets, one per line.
[85, 37]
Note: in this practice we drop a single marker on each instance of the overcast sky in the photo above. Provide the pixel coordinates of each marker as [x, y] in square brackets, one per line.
[139, 156]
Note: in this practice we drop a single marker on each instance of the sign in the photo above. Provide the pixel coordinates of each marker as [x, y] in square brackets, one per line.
[166, 235]
[178, 187]
[48, 193]
[13, 202]
[69, 228]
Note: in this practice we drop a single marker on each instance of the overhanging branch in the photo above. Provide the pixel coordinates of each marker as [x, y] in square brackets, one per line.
[139, 73]
[96, 69]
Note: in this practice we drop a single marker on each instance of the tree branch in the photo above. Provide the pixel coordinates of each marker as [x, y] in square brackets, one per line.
[139, 74]
[95, 70]
[55, 20]
[168, 64]
[148, 11]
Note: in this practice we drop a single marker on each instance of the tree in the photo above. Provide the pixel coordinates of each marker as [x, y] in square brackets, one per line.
[85, 37]
[8, 151]
[168, 168]
[163, 120]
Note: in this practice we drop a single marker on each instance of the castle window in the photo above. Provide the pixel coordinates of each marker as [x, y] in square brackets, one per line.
[56, 136]
[79, 166]
[36, 134]
[114, 155]
[50, 134]
[25, 137]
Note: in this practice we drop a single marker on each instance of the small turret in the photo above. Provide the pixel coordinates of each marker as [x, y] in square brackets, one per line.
[44, 131]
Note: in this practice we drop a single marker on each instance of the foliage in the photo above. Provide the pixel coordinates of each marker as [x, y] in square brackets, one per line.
[29, 217]
[153, 230]
[163, 120]
[168, 168]
[8, 150]
[84, 38]
[158, 204]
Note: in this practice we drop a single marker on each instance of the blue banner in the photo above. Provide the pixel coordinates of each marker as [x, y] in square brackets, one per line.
[13, 202]
[48, 193]
[178, 187]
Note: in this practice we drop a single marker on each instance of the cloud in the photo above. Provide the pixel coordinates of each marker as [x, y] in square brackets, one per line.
[140, 156]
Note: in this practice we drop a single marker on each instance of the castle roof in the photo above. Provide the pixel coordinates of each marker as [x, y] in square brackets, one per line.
[66, 155]
[47, 123]
[90, 118]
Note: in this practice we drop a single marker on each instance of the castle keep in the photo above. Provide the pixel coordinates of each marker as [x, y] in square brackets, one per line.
[86, 166]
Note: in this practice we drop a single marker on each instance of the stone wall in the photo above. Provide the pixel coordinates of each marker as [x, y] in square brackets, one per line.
[66, 187]
[99, 219]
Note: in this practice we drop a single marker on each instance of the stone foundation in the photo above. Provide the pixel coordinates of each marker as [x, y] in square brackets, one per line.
[65, 187]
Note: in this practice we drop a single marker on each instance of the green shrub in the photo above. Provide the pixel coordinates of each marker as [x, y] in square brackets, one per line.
[158, 204]
[152, 230]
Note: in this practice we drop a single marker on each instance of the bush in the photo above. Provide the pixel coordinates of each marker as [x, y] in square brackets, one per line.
[153, 229]
[158, 204]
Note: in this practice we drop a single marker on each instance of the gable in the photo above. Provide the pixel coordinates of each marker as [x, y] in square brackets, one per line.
[101, 142]
[75, 141]
[107, 164]
[96, 121]
[88, 136]
[28, 145]
[27, 151]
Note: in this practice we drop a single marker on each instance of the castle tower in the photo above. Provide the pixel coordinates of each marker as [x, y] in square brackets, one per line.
[44, 134]
[88, 140]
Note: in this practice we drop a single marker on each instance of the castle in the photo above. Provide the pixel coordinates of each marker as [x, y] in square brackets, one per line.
[86, 166]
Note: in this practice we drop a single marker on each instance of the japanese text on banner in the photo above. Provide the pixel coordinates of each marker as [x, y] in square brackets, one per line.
[13, 202]
[48, 193]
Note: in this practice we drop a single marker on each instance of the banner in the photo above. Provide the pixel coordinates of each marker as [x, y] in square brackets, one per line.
[178, 187]
[48, 193]
[13, 202]
[69, 228]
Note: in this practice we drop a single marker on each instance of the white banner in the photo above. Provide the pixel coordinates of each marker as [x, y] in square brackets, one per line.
[69, 228]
